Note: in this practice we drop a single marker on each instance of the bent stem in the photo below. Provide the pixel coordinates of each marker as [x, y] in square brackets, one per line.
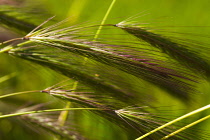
[175, 120]
[186, 127]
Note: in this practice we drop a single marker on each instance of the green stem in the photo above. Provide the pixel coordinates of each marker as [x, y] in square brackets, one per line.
[104, 19]
[185, 127]
[7, 77]
[6, 49]
[11, 40]
[17, 93]
[64, 114]
[42, 111]
[175, 120]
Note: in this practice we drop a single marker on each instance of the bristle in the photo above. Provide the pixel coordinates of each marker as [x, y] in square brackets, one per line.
[138, 122]
[147, 71]
[69, 70]
[177, 51]
[176, 82]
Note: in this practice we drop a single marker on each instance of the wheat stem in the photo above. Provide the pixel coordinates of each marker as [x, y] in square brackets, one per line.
[64, 114]
[18, 93]
[14, 39]
[42, 111]
[186, 127]
[175, 120]
[7, 77]
[104, 19]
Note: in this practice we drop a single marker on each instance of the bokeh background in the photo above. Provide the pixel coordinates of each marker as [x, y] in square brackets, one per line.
[191, 16]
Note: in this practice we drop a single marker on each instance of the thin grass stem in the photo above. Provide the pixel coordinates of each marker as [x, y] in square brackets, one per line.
[29, 34]
[18, 93]
[174, 121]
[6, 49]
[11, 40]
[104, 19]
[186, 127]
[7, 77]
[64, 114]
[42, 111]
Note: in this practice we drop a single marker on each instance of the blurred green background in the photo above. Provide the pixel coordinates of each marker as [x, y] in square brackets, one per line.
[185, 15]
